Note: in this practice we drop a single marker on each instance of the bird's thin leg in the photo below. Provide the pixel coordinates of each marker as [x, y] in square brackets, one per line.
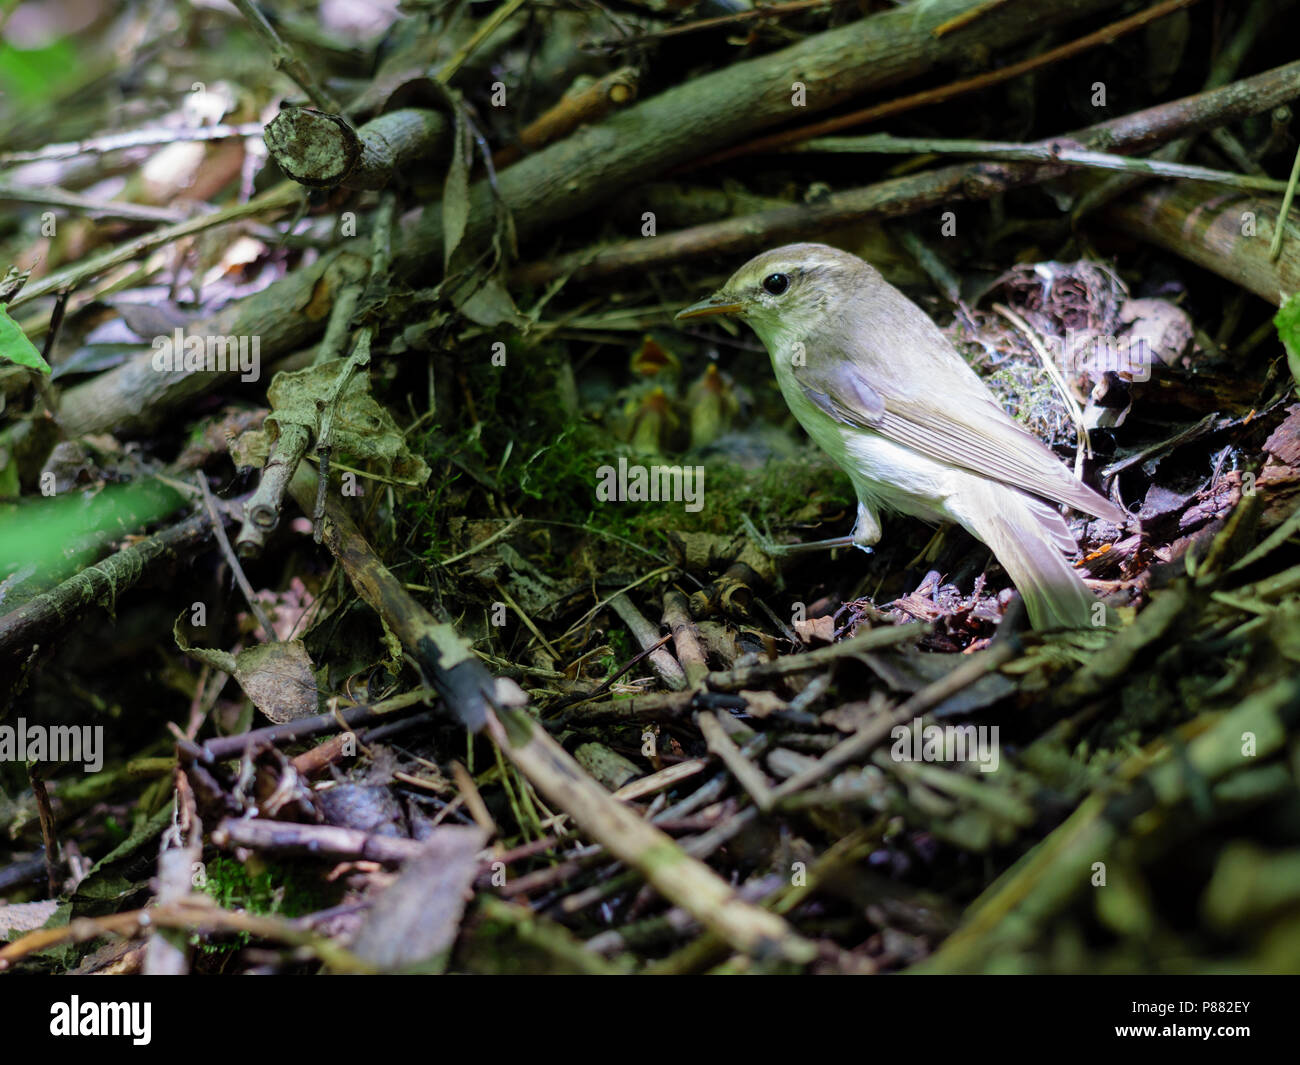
[774, 550]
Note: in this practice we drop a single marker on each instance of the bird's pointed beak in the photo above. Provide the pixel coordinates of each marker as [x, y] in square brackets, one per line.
[718, 303]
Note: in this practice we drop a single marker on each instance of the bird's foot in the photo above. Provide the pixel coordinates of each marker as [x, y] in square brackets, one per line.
[763, 540]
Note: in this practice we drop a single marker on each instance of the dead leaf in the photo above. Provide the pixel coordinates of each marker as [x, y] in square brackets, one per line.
[417, 918]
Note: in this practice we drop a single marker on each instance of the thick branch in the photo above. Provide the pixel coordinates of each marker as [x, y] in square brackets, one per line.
[323, 150]
[917, 192]
[600, 162]
[1228, 234]
[45, 616]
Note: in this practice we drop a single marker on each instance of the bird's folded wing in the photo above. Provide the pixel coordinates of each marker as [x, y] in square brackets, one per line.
[972, 433]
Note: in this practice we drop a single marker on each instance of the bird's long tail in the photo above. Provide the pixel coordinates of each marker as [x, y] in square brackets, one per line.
[1030, 539]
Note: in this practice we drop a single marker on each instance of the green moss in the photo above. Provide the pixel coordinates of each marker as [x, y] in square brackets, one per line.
[287, 889]
[266, 887]
[535, 454]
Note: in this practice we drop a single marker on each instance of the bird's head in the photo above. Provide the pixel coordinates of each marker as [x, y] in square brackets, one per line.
[784, 294]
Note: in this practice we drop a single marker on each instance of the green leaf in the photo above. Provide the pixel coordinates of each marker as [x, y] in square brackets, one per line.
[362, 428]
[32, 76]
[455, 193]
[15, 346]
[59, 535]
[1287, 321]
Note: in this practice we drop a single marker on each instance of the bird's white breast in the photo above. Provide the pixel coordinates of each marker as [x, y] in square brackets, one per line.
[881, 470]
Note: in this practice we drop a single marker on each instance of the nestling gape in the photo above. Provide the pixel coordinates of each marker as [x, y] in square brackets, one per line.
[883, 392]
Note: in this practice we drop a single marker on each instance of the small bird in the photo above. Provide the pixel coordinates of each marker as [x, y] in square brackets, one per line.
[883, 392]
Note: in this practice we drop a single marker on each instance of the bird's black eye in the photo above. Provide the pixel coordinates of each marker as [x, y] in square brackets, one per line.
[776, 283]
